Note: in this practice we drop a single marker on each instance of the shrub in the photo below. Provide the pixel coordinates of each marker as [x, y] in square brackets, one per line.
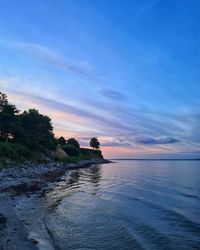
[2, 163]
[6, 151]
[97, 153]
[13, 151]
[90, 153]
[85, 151]
[73, 142]
[62, 141]
[72, 159]
[85, 157]
[21, 150]
[71, 150]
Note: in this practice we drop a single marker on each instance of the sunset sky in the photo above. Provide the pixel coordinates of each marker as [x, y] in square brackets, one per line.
[124, 71]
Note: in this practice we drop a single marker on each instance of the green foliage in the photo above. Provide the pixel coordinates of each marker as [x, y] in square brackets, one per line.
[71, 150]
[85, 157]
[20, 150]
[66, 160]
[13, 151]
[90, 153]
[8, 119]
[97, 154]
[72, 159]
[6, 150]
[3, 99]
[30, 129]
[37, 156]
[2, 163]
[85, 151]
[62, 141]
[73, 142]
[37, 130]
[94, 143]
[29, 135]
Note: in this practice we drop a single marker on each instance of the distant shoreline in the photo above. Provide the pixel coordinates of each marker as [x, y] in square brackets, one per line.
[130, 159]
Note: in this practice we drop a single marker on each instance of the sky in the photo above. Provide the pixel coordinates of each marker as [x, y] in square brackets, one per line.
[126, 72]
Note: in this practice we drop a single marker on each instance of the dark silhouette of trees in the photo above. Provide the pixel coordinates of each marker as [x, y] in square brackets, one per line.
[73, 142]
[3, 99]
[37, 129]
[30, 128]
[8, 119]
[62, 141]
[94, 143]
[30, 134]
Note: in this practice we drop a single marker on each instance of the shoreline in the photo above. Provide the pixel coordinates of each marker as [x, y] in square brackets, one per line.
[40, 172]
[21, 189]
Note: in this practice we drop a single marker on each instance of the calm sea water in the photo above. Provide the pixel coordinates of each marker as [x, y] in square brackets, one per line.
[127, 205]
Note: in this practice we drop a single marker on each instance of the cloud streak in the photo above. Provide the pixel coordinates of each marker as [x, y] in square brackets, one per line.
[80, 112]
[154, 141]
[114, 95]
[135, 131]
[45, 54]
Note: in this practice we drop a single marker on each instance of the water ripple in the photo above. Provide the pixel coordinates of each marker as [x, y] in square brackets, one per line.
[127, 205]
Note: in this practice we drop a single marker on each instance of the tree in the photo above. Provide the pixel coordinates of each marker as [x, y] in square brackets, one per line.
[8, 119]
[73, 142]
[62, 141]
[3, 99]
[38, 130]
[94, 143]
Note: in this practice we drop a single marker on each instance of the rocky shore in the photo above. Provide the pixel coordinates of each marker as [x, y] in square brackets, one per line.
[20, 188]
[40, 173]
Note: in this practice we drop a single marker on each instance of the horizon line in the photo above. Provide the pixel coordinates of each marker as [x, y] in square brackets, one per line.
[149, 159]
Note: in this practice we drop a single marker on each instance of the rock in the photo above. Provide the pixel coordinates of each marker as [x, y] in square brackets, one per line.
[24, 188]
[30, 177]
[53, 174]
[2, 221]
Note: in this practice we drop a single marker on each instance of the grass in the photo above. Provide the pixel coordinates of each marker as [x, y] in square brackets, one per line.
[73, 159]
[3, 163]
[12, 154]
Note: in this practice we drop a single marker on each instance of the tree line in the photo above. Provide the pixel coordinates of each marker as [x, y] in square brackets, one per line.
[31, 129]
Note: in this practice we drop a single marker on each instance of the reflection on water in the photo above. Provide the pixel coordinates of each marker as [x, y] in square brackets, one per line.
[73, 182]
[127, 205]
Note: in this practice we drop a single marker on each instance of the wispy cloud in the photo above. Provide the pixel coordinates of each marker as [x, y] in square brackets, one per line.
[114, 95]
[153, 141]
[80, 112]
[51, 56]
[120, 77]
[133, 130]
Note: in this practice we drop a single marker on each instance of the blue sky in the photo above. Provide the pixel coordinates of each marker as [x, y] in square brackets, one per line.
[124, 71]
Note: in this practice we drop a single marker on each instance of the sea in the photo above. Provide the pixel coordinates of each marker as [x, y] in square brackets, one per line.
[129, 204]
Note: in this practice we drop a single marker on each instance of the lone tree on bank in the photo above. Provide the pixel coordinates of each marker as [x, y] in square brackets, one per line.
[94, 143]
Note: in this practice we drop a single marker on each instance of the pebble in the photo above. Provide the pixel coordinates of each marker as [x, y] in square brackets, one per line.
[30, 170]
